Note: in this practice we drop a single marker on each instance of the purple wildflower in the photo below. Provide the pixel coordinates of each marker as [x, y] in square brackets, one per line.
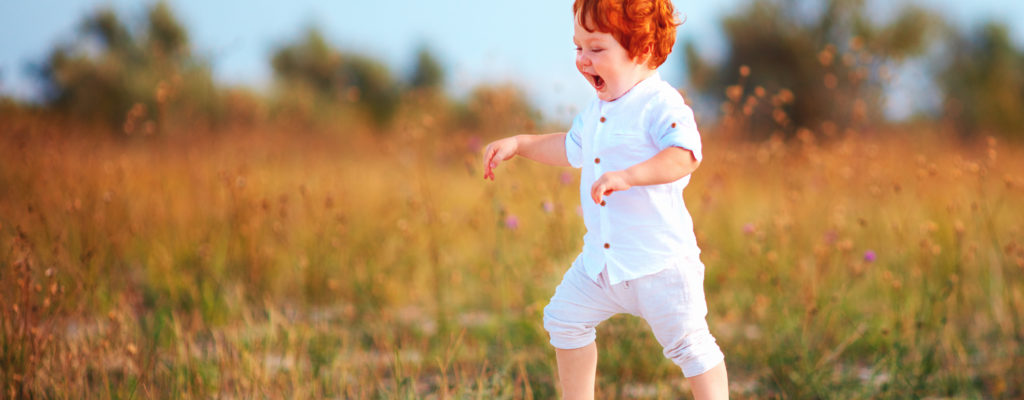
[512, 222]
[870, 256]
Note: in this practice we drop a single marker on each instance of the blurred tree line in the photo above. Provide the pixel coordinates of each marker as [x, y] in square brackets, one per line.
[148, 81]
[820, 68]
[795, 68]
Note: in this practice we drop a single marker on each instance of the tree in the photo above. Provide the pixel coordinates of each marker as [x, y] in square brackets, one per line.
[428, 73]
[166, 36]
[983, 83]
[133, 81]
[820, 68]
[312, 64]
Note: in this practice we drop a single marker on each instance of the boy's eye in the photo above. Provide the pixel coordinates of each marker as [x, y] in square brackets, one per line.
[597, 50]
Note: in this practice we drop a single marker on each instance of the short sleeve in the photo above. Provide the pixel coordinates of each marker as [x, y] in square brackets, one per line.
[673, 124]
[574, 143]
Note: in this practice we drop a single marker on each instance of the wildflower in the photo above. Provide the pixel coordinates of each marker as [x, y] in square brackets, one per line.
[565, 178]
[473, 144]
[870, 256]
[749, 228]
[512, 222]
[548, 206]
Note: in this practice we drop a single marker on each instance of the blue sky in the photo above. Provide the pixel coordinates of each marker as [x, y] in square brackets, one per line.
[526, 42]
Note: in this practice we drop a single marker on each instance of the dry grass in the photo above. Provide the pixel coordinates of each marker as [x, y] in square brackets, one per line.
[280, 264]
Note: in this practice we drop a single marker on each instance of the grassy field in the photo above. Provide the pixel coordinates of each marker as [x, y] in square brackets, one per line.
[276, 264]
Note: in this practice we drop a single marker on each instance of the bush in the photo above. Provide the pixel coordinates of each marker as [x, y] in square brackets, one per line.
[134, 82]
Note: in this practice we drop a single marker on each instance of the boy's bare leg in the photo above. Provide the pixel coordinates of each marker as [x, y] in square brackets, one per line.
[713, 384]
[576, 371]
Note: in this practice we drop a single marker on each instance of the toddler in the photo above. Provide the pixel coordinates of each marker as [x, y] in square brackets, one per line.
[636, 145]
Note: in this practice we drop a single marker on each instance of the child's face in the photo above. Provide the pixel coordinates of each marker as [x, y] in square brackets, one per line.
[606, 64]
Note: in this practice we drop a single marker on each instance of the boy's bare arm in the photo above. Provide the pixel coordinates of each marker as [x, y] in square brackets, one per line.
[548, 149]
[668, 165]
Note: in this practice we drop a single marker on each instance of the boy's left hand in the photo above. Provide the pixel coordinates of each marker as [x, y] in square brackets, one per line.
[613, 181]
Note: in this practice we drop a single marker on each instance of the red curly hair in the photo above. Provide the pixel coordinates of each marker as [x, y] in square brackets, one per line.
[636, 24]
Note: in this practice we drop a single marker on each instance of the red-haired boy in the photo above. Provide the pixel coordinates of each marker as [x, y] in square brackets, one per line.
[638, 140]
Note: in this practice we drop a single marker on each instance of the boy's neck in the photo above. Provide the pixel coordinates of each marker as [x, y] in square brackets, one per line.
[642, 76]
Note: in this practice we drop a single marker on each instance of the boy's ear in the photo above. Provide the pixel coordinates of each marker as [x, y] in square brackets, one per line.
[645, 56]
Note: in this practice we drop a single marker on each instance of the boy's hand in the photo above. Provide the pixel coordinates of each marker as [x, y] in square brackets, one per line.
[498, 151]
[613, 181]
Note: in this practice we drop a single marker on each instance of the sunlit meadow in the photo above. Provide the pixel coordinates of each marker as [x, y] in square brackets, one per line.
[279, 264]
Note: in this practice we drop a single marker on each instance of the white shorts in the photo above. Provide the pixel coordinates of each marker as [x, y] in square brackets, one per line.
[671, 301]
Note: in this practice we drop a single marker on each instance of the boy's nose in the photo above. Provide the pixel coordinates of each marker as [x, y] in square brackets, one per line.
[582, 59]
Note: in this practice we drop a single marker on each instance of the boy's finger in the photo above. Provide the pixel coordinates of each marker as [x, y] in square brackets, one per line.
[490, 168]
[489, 163]
[488, 154]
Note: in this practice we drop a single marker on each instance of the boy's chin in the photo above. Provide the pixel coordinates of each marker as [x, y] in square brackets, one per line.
[607, 95]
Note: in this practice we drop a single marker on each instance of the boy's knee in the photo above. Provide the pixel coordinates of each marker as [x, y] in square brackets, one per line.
[695, 353]
[566, 334]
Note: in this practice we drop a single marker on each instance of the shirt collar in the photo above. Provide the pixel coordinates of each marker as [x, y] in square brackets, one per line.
[641, 87]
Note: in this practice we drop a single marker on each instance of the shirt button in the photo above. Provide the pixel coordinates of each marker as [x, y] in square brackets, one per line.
[607, 246]
[602, 119]
[597, 160]
[673, 124]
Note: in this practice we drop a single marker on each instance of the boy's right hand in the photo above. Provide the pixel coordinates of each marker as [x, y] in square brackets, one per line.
[498, 151]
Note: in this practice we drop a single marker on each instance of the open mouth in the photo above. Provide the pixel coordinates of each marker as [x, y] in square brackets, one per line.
[598, 81]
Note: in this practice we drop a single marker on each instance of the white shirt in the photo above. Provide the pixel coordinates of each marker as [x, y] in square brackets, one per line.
[645, 229]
